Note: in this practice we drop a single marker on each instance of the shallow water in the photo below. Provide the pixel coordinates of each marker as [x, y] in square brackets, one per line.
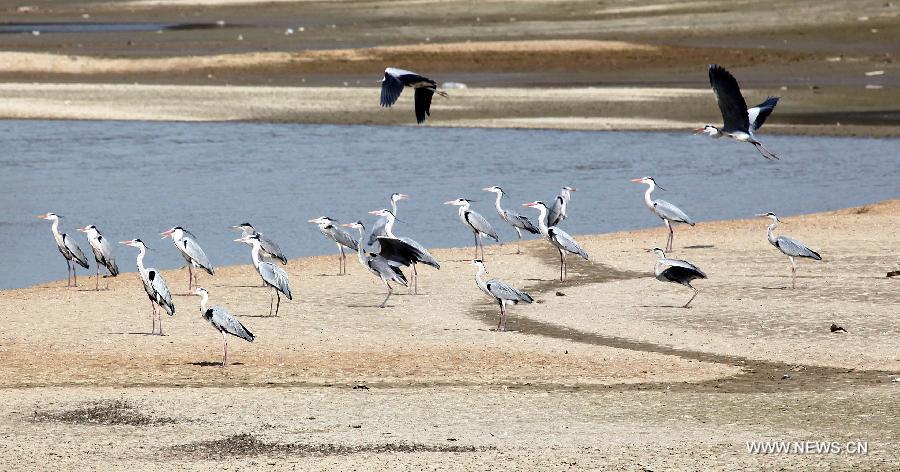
[136, 179]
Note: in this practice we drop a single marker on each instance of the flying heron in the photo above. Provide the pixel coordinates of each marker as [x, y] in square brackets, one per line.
[396, 79]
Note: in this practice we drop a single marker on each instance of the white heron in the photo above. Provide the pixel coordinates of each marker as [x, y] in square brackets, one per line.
[670, 214]
[271, 274]
[517, 221]
[677, 271]
[558, 210]
[378, 265]
[223, 321]
[410, 252]
[740, 123]
[154, 284]
[270, 248]
[67, 247]
[559, 238]
[190, 250]
[102, 252]
[392, 86]
[378, 227]
[502, 292]
[475, 222]
[788, 246]
[340, 237]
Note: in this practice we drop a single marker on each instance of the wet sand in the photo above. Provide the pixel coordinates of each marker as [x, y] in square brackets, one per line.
[603, 371]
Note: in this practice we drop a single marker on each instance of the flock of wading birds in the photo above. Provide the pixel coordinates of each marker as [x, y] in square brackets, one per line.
[384, 254]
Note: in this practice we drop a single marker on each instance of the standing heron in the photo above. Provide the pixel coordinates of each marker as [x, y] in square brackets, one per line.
[502, 292]
[415, 253]
[340, 237]
[559, 238]
[378, 226]
[154, 285]
[788, 246]
[270, 249]
[392, 86]
[67, 247]
[102, 252]
[223, 321]
[517, 221]
[740, 123]
[378, 265]
[677, 271]
[475, 222]
[667, 212]
[559, 208]
[187, 245]
[271, 274]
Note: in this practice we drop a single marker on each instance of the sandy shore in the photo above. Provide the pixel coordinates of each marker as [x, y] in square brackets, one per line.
[602, 371]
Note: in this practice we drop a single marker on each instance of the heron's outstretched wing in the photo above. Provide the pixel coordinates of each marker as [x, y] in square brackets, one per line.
[504, 291]
[758, 114]
[566, 242]
[271, 248]
[480, 224]
[731, 102]
[76, 251]
[424, 257]
[276, 277]
[191, 249]
[161, 289]
[423, 103]
[404, 251]
[391, 88]
[105, 252]
[671, 212]
[795, 248]
[224, 321]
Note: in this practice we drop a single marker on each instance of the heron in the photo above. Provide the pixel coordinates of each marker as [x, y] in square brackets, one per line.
[392, 85]
[475, 222]
[378, 226]
[415, 253]
[677, 271]
[788, 246]
[740, 123]
[154, 284]
[559, 208]
[271, 274]
[502, 292]
[559, 238]
[67, 247]
[102, 252]
[517, 221]
[378, 265]
[223, 321]
[270, 249]
[340, 237]
[187, 245]
[670, 214]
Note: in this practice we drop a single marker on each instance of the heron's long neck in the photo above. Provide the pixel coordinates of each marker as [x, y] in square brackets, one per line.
[497, 203]
[361, 246]
[394, 206]
[55, 227]
[565, 195]
[479, 277]
[203, 300]
[542, 220]
[254, 253]
[140, 258]
[647, 200]
[389, 225]
[463, 208]
[771, 229]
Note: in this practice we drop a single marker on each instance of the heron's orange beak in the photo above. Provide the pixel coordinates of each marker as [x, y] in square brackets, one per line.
[126, 242]
[375, 212]
[640, 181]
[83, 230]
[43, 217]
[532, 204]
[165, 234]
[698, 130]
[403, 196]
[347, 225]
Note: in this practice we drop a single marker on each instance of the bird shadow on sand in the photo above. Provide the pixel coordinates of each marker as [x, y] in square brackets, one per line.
[660, 306]
[377, 305]
[79, 289]
[210, 363]
[137, 334]
[331, 275]
[258, 316]
[776, 288]
[495, 330]
[700, 246]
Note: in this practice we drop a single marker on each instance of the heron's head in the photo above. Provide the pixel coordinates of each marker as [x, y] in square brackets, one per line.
[569, 189]
[134, 243]
[357, 225]
[659, 252]
[382, 212]
[396, 197]
[175, 232]
[708, 130]
[647, 180]
[536, 204]
[458, 202]
[250, 239]
[88, 229]
[771, 215]
[477, 262]
[201, 291]
[495, 189]
[245, 227]
[49, 216]
[322, 220]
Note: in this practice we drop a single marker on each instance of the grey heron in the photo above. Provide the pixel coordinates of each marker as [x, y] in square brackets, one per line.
[67, 247]
[340, 237]
[740, 123]
[103, 254]
[502, 292]
[517, 221]
[270, 249]
[677, 271]
[378, 226]
[417, 253]
[475, 222]
[559, 238]
[154, 285]
[788, 246]
[190, 250]
[378, 265]
[558, 210]
[667, 212]
[223, 321]
[271, 274]
[392, 85]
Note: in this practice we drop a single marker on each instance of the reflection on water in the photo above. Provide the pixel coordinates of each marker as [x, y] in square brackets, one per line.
[136, 179]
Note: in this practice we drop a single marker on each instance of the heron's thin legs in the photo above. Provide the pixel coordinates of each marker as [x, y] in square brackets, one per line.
[159, 317]
[278, 301]
[502, 312]
[671, 236]
[390, 291]
[519, 241]
[476, 245]
[97, 284]
[793, 272]
[190, 276]
[692, 297]
[415, 280]
[68, 273]
[271, 303]
[341, 265]
[225, 349]
[153, 317]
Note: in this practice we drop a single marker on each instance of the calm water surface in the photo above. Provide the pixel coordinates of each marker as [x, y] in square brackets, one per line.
[136, 179]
